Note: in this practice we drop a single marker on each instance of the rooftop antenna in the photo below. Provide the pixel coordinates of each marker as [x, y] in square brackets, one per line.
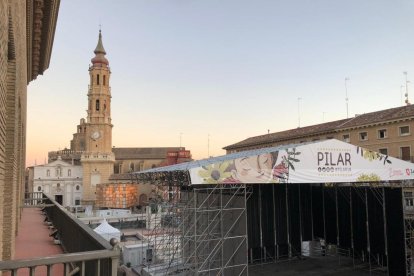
[401, 94]
[407, 102]
[346, 97]
[299, 111]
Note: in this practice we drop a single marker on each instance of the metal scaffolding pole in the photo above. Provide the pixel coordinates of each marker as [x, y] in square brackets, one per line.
[262, 249]
[276, 249]
[367, 224]
[287, 223]
[385, 227]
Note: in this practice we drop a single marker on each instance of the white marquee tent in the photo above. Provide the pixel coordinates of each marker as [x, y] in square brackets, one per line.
[107, 231]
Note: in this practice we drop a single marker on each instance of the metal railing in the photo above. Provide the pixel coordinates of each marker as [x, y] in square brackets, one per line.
[83, 263]
[87, 253]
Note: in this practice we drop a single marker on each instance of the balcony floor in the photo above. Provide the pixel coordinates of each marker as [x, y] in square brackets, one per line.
[33, 241]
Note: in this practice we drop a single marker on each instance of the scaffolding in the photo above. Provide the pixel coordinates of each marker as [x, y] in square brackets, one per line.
[408, 208]
[198, 230]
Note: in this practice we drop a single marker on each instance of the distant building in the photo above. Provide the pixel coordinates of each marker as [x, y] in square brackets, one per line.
[131, 159]
[59, 180]
[389, 131]
[27, 30]
[106, 179]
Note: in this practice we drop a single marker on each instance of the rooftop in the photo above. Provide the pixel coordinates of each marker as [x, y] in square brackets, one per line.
[367, 119]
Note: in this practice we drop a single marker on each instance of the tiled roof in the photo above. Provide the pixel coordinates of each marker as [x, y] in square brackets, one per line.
[142, 153]
[122, 176]
[377, 117]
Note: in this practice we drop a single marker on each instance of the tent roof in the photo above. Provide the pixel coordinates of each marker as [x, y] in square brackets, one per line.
[327, 161]
[106, 228]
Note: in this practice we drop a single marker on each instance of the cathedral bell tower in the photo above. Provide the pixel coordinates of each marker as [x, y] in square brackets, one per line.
[98, 159]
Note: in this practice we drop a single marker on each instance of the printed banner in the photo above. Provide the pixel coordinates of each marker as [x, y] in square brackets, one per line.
[329, 161]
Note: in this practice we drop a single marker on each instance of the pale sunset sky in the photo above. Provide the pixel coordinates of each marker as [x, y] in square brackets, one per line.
[221, 70]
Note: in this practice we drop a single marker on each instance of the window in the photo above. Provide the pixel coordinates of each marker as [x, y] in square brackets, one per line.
[58, 171]
[97, 105]
[48, 173]
[39, 188]
[131, 167]
[405, 153]
[77, 187]
[104, 80]
[116, 169]
[77, 201]
[408, 196]
[404, 130]
[97, 79]
[383, 151]
[346, 138]
[363, 136]
[58, 185]
[69, 172]
[382, 134]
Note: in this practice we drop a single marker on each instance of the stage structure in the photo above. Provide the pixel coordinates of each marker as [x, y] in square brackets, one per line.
[322, 198]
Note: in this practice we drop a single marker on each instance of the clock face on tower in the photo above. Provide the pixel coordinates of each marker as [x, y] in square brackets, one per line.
[95, 135]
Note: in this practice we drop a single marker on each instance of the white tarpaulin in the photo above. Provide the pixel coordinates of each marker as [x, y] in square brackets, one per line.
[329, 161]
[107, 231]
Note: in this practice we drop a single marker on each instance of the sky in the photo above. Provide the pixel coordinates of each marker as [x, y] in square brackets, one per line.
[205, 74]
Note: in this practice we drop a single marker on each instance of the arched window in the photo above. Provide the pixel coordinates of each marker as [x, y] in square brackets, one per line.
[104, 80]
[69, 172]
[131, 167]
[48, 173]
[97, 105]
[97, 79]
[58, 171]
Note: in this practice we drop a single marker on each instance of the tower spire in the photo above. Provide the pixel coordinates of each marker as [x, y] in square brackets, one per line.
[99, 47]
[99, 52]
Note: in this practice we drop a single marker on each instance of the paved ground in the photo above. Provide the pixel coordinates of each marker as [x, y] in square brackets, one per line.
[33, 241]
[312, 266]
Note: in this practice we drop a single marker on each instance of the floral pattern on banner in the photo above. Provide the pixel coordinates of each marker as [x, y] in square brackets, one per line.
[263, 168]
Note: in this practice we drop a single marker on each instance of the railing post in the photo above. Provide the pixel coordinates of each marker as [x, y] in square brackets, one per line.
[115, 260]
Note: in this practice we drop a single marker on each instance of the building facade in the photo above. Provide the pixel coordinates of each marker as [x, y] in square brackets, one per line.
[27, 31]
[98, 158]
[59, 180]
[390, 132]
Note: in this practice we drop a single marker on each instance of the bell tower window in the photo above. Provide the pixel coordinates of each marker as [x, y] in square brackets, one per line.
[97, 79]
[97, 105]
[104, 80]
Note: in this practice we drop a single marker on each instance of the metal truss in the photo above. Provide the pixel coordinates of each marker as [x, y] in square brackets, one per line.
[201, 230]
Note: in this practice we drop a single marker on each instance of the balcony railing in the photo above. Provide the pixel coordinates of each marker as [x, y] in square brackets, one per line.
[87, 252]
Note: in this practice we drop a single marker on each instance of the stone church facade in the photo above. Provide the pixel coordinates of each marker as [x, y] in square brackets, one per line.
[60, 180]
